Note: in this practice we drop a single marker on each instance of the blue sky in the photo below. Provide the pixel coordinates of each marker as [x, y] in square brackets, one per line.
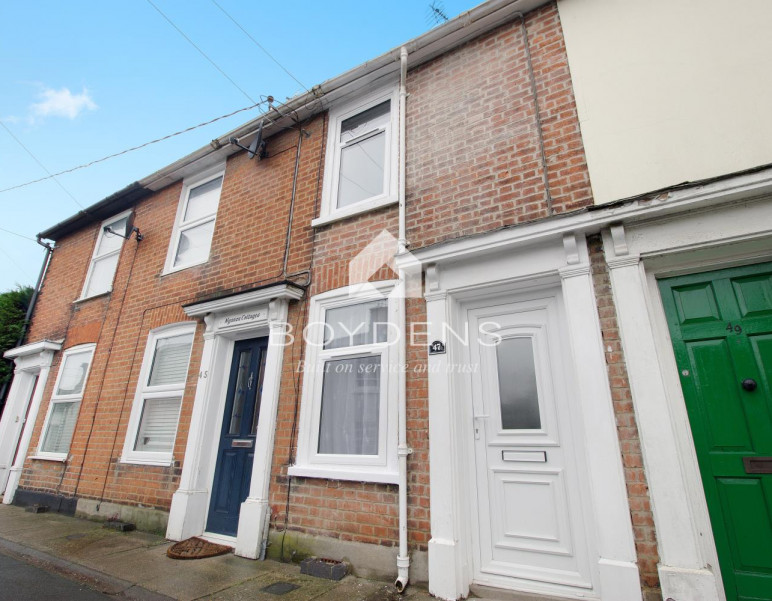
[82, 80]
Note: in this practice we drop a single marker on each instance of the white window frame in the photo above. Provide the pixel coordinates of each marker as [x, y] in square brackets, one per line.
[143, 391]
[96, 257]
[362, 468]
[179, 226]
[57, 399]
[329, 211]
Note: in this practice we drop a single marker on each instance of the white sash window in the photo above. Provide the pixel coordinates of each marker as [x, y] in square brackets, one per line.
[65, 403]
[348, 410]
[156, 411]
[194, 226]
[104, 261]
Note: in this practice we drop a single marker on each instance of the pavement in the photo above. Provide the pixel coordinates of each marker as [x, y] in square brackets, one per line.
[52, 556]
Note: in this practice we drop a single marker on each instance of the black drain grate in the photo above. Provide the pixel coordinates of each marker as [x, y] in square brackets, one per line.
[280, 588]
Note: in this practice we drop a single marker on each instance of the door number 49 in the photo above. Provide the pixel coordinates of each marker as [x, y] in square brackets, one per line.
[734, 328]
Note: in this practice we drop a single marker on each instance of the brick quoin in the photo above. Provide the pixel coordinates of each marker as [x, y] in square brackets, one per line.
[473, 166]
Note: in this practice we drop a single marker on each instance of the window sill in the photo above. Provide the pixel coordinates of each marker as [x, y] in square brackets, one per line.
[83, 299]
[59, 458]
[147, 461]
[353, 210]
[358, 475]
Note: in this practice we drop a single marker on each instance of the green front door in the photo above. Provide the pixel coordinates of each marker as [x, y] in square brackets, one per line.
[721, 326]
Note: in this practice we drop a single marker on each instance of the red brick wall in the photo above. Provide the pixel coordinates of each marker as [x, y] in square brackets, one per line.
[247, 250]
[474, 165]
[627, 429]
[473, 155]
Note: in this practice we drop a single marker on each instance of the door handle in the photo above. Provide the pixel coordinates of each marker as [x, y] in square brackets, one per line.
[749, 384]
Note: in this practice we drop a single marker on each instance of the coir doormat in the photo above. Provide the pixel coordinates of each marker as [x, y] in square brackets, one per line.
[196, 548]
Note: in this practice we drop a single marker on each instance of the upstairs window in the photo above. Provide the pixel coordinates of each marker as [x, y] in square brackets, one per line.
[361, 172]
[65, 402]
[156, 411]
[104, 261]
[194, 226]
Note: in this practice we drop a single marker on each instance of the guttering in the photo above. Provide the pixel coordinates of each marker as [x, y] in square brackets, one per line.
[107, 207]
[433, 43]
[403, 559]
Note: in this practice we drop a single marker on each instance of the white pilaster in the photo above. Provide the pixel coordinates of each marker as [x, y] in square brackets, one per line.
[187, 516]
[255, 511]
[682, 569]
[446, 576]
[619, 578]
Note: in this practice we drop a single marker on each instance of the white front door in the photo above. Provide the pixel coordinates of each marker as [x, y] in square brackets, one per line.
[532, 523]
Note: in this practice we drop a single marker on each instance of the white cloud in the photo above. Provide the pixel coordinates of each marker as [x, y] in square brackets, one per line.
[62, 103]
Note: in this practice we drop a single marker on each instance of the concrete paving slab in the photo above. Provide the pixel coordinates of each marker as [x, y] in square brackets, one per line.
[32, 527]
[136, 565]
[193, 579]
[101, 543]
[308, 588]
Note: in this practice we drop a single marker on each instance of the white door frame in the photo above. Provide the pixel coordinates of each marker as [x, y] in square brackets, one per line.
[261, 312]
[728, 232]
[518, 259]
[31, 361]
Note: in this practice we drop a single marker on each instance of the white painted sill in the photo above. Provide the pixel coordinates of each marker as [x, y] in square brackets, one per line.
[147, 461]
[83, 299]
[59, 458]
[359, 475]
[355, 209]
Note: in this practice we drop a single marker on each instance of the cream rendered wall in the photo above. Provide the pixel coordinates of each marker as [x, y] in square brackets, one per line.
[669, 90]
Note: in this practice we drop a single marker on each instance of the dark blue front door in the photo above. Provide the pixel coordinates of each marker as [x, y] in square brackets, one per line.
[236, 451]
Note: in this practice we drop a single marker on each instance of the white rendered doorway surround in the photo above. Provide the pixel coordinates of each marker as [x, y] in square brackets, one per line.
[258, 313]
[31, 370]
[721, 225]
[551, 269]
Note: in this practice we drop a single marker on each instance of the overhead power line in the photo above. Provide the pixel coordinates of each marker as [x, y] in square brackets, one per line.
[42, 166]
[192, 43]
[259, 45]
[2, 229]
[132, 149]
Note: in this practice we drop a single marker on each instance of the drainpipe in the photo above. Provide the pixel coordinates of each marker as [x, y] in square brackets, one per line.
[403, 559]
[30, 309]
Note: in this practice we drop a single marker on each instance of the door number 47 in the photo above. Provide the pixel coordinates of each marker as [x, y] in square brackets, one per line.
[734, 328]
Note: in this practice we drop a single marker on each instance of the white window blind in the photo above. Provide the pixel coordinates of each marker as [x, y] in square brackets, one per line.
[61, 425]
[158, 425]
[170, 364]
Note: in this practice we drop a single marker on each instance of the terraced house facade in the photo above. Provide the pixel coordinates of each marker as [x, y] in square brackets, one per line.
[490, 311]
